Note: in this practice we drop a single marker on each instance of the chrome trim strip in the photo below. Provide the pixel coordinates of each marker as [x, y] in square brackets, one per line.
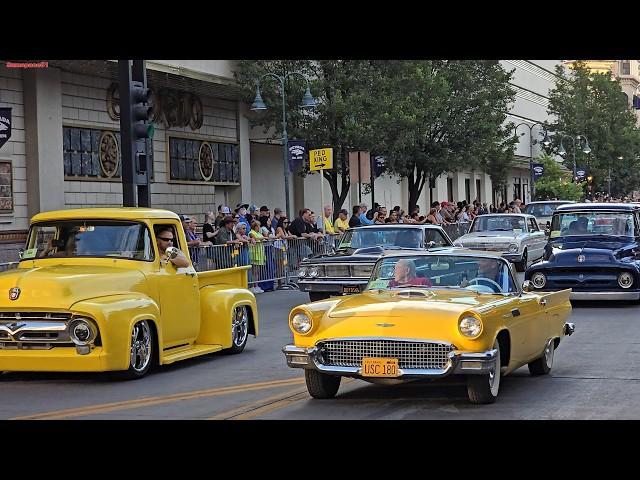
[604, 295]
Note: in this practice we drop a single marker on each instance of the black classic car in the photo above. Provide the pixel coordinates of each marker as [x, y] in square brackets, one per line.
[594, 249]
[348, 268]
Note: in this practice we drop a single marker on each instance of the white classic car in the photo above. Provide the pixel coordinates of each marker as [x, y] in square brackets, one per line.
[516, 236]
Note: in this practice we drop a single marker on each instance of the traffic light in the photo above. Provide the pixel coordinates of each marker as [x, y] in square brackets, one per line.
[141, 111]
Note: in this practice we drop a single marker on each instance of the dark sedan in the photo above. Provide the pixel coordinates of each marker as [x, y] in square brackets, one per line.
[594, 249]
[347, 270]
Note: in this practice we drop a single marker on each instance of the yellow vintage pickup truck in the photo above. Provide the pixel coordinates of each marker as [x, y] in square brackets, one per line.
[113, 289]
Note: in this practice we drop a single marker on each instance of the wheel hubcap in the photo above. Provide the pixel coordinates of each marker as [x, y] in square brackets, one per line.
[140, 346]
[494, 374]
[239, 326]
[548, 354]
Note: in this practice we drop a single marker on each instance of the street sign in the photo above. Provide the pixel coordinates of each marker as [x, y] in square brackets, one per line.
[320, 159]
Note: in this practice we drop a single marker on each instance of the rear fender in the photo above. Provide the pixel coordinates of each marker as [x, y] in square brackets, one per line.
[217, 303]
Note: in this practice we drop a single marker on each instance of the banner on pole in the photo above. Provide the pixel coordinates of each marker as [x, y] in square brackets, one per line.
[296, 152]
[538, 171]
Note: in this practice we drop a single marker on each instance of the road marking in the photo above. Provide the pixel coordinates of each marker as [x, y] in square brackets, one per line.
[149, 401]
[234, 413]
[270, 404]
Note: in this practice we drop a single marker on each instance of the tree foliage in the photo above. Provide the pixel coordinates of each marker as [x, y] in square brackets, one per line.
[594, 105]
[555, 183]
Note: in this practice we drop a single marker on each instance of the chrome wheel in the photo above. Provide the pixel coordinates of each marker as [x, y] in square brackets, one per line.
[141, 339]
[494, 374]
[239, 326]
[548, 354]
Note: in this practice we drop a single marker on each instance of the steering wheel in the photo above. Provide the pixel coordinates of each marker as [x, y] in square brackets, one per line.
[477, 281]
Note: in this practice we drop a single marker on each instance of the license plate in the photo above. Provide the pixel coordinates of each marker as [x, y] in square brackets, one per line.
[380, 367]
[350, 289]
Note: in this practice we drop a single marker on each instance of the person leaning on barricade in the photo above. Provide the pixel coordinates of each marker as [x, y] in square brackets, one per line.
[225, 236]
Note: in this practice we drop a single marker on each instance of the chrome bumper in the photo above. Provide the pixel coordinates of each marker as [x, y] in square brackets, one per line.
[330, 285]
[460, 363]
[604, 295]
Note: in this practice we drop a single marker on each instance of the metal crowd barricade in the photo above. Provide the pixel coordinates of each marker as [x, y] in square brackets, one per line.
[271, 260]
[456, 230]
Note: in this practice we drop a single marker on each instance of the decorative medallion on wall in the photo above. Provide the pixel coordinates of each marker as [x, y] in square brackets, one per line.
[109, 157]
[205, 161]
[171, 108]
[113, 102]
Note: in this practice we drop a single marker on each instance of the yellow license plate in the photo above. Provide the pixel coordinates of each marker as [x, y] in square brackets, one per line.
[380, 367]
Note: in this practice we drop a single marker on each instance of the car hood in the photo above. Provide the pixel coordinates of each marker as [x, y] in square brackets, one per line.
[60, 286]
[489, 236]
[601, 248]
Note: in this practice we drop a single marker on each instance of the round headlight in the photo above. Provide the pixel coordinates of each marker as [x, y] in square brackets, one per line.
[513, 248]
[82, 331]
[301, 323]
[302, 272]
[538, 279]
[313, 272]
[470, 326]
[625, 280]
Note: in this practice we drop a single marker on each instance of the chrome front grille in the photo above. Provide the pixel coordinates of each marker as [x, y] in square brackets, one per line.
[34, 330]
[361, 270]
[337, 270]
[410, 354]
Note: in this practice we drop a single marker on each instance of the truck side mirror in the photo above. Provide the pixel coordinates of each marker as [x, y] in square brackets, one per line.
[20, 253]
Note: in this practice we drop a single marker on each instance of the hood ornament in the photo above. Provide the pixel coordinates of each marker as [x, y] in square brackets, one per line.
[581, 258]
[385, 324]
[14, 293]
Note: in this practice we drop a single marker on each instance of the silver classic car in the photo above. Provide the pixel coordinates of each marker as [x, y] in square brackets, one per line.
[516, 236]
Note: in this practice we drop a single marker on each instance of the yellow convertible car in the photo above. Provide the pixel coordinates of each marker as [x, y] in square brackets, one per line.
[426, 316]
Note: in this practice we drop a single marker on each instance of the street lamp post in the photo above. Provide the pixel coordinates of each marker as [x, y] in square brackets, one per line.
[562, 152]
[307, 102]
[546, 142]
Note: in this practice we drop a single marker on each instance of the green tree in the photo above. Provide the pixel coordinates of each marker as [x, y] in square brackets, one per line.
[342, 91]
[437, 116]
[555, 183]
[593, 104]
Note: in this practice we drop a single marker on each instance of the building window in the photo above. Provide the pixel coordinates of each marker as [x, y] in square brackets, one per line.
[467, 190]
[450, 189]
[625, 67]
[478, 187]
[93, 153]
[517, 189]
[6, 188]
[201, 161]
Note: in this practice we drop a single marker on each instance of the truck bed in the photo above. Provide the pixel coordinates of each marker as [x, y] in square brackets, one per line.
[231, 276]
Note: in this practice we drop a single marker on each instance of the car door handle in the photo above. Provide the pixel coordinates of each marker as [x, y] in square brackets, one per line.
[515, 312]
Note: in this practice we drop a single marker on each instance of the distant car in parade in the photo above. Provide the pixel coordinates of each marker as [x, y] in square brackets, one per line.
[543, 210]
[347, 270]
[516, 235]
[594, 249]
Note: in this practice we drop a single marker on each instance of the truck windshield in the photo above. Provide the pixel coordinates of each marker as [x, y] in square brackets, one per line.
[592, 223]
[89, 238]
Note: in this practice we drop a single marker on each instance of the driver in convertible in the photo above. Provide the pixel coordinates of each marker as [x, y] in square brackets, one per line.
[405, 275]
[487, 268]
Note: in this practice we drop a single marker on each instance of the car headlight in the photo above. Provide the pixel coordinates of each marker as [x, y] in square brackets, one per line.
[538, 279]
[470, 326]
[301, 323]
[82, 331]
[302, 272]
[314, 272]
[513, 248]
[625, 280]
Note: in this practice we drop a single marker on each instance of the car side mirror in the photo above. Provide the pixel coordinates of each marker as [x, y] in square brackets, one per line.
[527, 286]
[20, 253]
[431, 244]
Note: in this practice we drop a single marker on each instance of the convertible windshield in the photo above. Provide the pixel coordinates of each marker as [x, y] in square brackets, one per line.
[592, 223]
[391, 237]
[498, 223]
[480, 274]
[89, 238]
